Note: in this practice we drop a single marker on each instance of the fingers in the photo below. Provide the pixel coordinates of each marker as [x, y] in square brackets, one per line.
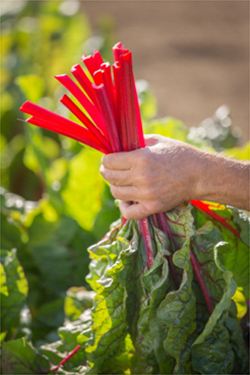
[133, 211]
[125, 193]
[119, 161]
[125, 160]
[116, 177]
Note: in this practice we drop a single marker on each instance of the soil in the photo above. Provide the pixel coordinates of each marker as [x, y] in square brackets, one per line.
[194, 54]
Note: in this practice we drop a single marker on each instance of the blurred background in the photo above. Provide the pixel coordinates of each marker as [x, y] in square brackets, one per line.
[191, 66]
[193, 54]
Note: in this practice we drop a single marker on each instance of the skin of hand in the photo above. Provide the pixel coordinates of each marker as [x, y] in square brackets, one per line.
[167, 173]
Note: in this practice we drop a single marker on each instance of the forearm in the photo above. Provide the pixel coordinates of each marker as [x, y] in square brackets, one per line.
[168, 173]
[224, 180]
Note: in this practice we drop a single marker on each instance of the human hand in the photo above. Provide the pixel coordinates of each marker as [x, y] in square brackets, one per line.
[159, 177]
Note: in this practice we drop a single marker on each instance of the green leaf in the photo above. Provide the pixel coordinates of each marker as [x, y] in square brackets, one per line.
[212, 351]
[77, 300]
[59, 250]
[14, 291]
[242, 221]
[83, 191]
[20, 357]
[237, 260]
[108, 312]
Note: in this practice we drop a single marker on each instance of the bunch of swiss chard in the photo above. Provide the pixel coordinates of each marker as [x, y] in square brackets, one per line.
[164, 284]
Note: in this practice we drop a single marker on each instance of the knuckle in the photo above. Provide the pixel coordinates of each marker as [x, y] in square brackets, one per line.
[143, 158]
[146, 180]
[106, 161]
[114, 191]
[149, 193]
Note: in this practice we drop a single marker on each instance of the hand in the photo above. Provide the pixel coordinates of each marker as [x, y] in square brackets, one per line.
[159, 177]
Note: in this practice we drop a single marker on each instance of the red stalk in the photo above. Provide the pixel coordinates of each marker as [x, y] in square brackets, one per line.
[121, 122]
[108, 83]
[98, 58]
[56, 121]
[147, 240]
[83, 100]
[118, 51]
[90, 64]
[85, 120]
[200, 280]
[86, 139]
[82, 78]
[36, 110]
[138, 120]
[98, 77]
[129, 100]
[66, 358]
[205, 207]
[106, 110]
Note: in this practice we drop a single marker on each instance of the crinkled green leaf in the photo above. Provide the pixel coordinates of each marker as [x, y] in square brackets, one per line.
[14, 290]
[109, 328]
[242, 221]
[237, 260]
[177, 310]
[77, 300]
[212, 351]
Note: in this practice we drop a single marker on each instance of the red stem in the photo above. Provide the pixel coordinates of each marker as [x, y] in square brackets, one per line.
[196, 268]
[43, 123]
[121, 122]
[85, 120]
[106, 110]
[147, 240]
[118, 51]
[205, 207]
[82, 99]
[90, 64]
[98, 58]
[129, 101]
[107, 80]
[82, 78]
[54, 122]
[66, 358]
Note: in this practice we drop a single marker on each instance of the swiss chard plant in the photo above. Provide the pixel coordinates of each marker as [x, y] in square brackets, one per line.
[164, 287]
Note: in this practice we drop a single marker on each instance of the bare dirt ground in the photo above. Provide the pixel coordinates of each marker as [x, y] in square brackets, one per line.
[194, 54]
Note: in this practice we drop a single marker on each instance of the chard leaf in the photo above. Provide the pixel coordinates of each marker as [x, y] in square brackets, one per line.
[77, 300]
[20, 357]
[14, 290]
[242, 221]
[177, 310]
[212, 351]
[237, 261]
[109, 329]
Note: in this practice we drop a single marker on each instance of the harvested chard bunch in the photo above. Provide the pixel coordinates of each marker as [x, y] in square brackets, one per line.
[164, 284]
